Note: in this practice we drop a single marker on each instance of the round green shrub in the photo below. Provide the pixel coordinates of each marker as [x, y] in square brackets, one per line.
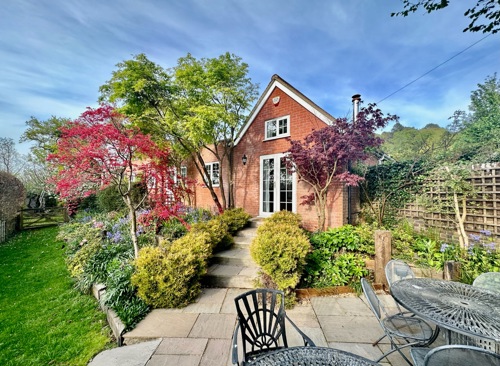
[280, 250]
[171, 278]
[217, 230]
[283, 217]
[236, 219]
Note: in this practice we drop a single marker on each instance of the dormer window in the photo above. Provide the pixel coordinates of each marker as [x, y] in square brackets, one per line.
[277, 128]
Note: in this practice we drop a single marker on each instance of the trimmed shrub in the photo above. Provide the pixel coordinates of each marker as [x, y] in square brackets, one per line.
[171, 278]
[217, 231]
[284, 217]
[280, 249]
[236, 219]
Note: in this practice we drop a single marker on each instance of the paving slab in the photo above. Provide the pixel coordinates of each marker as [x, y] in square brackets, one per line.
[164, 324]
[174, 360]
[364, 329]
[220, 326]
[228, 306]
[134, 355]
[339, 305]
[182, 346]
[218, 352]
[209, 301]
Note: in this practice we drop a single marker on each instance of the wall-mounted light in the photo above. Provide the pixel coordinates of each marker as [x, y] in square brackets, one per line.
[244, 159]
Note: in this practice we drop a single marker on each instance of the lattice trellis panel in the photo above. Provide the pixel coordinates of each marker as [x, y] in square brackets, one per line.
[483, 211]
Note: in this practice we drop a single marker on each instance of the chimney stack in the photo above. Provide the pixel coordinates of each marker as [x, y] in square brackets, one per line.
[356, 99]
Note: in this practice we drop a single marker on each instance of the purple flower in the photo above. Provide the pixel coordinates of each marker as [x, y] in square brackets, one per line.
[485, 232]
[475, 237]
[444, 246]
[490, 247]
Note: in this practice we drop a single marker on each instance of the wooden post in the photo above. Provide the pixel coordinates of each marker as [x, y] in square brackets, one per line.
[451, 270]
[383, 252]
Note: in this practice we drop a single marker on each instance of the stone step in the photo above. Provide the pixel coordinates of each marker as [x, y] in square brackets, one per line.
[256, 222]
[249, 232]
[234, 257]
[229, 276]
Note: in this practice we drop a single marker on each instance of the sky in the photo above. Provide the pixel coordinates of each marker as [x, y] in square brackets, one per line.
[55, 54]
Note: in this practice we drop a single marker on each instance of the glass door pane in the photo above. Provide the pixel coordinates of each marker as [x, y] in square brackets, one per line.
[268, 190]
[286, 188]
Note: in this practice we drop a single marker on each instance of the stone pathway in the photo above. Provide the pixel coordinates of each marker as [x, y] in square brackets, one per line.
[200, 334]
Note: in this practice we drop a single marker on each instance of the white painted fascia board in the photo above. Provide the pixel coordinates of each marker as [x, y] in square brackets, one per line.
[291, 94]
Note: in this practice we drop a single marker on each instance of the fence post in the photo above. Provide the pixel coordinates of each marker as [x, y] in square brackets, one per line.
[383, 252]
[3, 233]
[451, 270]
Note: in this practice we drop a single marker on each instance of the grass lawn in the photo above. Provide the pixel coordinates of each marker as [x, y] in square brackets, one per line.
[43, 320]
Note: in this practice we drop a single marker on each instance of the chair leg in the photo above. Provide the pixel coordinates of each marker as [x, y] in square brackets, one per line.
[378, 340]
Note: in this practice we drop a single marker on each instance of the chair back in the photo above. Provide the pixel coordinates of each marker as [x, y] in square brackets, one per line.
[373, 300]
[396, 270]
[461, 355]
[489, 281]
[261, 317]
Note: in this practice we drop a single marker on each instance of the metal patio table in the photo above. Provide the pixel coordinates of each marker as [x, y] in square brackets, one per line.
[306, 356]
[470, 314]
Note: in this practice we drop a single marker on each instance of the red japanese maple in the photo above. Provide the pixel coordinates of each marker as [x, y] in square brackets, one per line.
[323, 157]
[98, 149]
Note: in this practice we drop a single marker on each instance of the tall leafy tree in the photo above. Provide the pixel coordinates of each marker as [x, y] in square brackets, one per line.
[431, 142]
[44, 135]
[199, 104]
[98, 150]
[216, 97]
[479, 138]
[322, 158]
[484, 16]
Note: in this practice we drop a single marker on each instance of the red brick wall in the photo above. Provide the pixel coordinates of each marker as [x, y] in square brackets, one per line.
[252, 144]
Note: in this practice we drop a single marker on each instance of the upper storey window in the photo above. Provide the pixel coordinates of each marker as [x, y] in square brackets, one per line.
[277, 128]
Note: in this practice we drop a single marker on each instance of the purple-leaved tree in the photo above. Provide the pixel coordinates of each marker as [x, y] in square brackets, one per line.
[323, 157]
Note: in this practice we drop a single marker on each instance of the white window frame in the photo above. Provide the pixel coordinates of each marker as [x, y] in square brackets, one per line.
[184, 171]
[277, 122]
[210, 169]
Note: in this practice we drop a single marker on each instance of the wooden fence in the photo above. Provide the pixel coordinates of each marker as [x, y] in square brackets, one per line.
[36, 218]
[483, 211]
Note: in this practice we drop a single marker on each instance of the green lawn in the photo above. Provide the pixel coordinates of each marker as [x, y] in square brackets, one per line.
[43, 320]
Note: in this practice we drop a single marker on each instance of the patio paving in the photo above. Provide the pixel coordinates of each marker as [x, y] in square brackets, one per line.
[200, 334]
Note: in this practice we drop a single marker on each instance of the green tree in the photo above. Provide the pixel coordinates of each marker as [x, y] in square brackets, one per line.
[486, 12]
[216, 96]
[198, 104]
[411, 144]
[44, 135]
[479, 138]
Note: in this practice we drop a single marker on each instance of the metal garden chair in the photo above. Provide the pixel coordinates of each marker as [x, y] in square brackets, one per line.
[489, 281]
[454, 355]
[402, 331]
[261, 324]
[396, 270]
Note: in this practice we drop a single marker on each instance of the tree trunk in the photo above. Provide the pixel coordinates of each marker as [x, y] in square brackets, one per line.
[133, 223]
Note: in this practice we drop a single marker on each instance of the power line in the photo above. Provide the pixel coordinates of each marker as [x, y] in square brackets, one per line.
[434, 68]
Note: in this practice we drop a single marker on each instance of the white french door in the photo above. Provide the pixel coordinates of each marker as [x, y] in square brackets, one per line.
[277, 186]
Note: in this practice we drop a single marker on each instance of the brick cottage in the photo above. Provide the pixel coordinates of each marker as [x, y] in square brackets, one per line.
[262, 185]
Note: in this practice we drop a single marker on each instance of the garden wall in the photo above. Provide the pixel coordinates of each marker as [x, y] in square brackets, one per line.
[483, 211]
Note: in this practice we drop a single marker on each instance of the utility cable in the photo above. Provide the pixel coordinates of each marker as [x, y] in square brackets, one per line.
[434, 68]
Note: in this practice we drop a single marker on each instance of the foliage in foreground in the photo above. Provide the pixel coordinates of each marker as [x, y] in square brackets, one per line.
[427, 250]
[45, 321]
[169, 275]
[338, 256]
[280, 249]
